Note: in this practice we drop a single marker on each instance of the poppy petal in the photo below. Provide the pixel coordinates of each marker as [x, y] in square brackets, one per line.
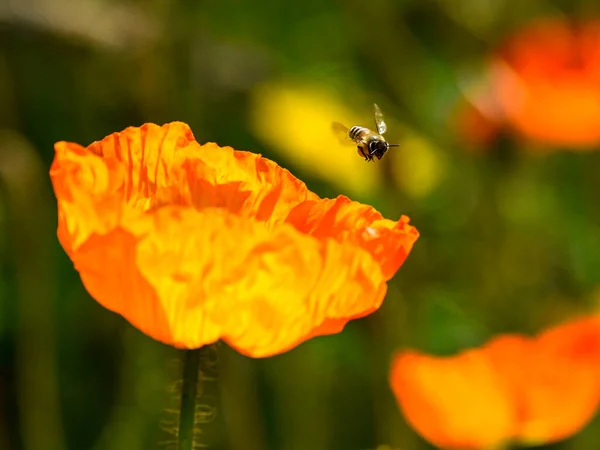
[545, 77]
[456, 402]
[389, 242]
[561, 392]
[533, 390]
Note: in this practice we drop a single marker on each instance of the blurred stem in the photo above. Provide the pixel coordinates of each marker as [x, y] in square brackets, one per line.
[137, 393]
[32, 223]
[499, 166]
[199, 397]
[189, 391]
[239, 385]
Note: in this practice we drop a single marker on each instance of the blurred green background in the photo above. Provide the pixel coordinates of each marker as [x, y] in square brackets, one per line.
[510, 239]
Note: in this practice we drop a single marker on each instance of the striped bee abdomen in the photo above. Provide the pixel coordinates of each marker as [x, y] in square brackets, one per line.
[356, 132]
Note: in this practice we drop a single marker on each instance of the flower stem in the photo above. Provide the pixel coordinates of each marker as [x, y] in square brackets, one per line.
[199, 397]
[189, 391]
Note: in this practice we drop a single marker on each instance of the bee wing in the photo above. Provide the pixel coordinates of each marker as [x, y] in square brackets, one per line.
[379, 123]
[341, 132]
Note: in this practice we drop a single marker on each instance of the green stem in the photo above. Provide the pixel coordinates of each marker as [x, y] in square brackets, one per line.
[189, 391]
[22, 180]
[199, 398]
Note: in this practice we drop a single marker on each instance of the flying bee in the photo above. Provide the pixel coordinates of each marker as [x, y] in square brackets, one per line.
[368, 142]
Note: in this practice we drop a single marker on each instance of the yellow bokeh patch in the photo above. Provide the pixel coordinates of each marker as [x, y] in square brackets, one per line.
[418, 166]
[296, 121]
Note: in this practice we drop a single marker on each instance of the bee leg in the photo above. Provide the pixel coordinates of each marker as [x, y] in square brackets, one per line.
[362, 153]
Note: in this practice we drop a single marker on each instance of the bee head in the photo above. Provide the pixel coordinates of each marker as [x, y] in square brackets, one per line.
[378, 148]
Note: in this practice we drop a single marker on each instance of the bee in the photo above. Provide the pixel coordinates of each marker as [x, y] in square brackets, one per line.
[368, 142]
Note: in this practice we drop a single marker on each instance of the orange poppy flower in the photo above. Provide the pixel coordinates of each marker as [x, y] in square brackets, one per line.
[515, 388]
[195, 243]
[544, 82]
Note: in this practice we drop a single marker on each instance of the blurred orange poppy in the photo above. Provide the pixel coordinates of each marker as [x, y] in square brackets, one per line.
[543, 82]
[515, 388]
[194, 243]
